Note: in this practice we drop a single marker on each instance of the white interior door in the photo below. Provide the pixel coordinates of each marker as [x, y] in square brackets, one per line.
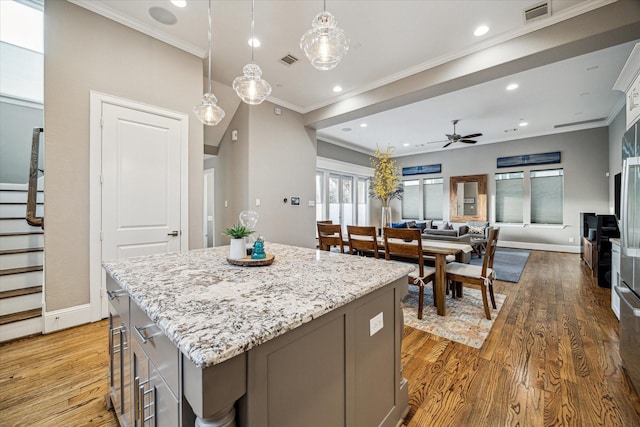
[141, 183]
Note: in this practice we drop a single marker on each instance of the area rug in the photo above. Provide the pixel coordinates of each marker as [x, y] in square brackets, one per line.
[508, 263]
[465, 321]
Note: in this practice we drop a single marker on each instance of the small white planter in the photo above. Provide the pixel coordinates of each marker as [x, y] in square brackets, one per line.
[238, 249]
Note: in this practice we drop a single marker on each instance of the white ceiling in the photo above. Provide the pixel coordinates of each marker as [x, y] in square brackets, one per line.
[391, 40]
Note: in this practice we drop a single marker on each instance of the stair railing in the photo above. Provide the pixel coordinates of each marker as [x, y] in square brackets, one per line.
[32, 192]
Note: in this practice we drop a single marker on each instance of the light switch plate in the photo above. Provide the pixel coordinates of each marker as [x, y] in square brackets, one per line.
[257, 202]
[376, 323]
[312, 203]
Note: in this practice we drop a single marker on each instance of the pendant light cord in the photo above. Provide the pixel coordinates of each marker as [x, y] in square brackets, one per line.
[209, 46]
[253, 39]
[325, 5]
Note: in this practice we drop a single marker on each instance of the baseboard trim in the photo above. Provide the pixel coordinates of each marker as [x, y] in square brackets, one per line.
[66, 318]
[540, 246]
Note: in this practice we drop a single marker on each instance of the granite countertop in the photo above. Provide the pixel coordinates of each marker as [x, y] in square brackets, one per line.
[213, 311]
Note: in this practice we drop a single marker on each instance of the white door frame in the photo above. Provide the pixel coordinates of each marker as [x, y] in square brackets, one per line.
[97, 277]
[208, 199]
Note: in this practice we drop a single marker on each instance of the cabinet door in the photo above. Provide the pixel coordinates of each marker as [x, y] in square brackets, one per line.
[163, 406]
[140, 367]
[115, 365]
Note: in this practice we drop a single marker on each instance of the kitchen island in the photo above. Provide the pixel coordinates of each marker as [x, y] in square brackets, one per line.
[313, 339]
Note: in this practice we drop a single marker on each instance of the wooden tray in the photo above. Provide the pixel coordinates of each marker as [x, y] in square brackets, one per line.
[248, 262]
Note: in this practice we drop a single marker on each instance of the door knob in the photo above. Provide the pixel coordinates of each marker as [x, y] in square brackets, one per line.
[173, 233]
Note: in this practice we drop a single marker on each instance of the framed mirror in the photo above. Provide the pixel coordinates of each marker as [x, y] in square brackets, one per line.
[468, 198]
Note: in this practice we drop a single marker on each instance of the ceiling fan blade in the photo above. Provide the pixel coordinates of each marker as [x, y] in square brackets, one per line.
[468, 141]
[447, 144]
[473, 135]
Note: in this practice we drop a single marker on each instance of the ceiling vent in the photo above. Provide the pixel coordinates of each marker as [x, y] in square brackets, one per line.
[536, 12]
[288, 59]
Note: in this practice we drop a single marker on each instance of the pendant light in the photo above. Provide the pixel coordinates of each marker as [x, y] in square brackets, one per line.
[251, 87]
[324, 44]
[209, 112]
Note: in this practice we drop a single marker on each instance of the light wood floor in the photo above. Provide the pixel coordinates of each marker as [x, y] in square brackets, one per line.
[551, 359]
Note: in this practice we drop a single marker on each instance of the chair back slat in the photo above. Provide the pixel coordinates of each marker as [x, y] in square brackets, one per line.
[490, 251]
[330, 235]
[362, 239]
[405, 244]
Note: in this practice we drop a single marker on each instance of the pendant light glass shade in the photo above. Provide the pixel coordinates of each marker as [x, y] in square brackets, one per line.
[251, 87]
[208, 112]
[324, 44]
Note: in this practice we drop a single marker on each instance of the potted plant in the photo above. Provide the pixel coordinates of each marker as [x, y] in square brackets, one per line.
[237, 233]
[385, 184]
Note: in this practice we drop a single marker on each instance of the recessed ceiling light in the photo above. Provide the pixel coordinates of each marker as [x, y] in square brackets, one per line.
[481, 31]
[512, 86]
[254, 42]
[523, 123]
[346, 129]
[179, 3]
[337, 88]
[363, 125]
[406, 144]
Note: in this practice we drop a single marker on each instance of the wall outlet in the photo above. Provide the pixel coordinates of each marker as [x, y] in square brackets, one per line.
[571, 240]
[312, 203]
[226, 204]
[376, 323]
[257, 202]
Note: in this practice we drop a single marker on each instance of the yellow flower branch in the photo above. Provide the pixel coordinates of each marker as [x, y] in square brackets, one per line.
[385, 184]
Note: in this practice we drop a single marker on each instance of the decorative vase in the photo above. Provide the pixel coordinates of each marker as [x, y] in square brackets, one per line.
[385, 218]
[238, 249]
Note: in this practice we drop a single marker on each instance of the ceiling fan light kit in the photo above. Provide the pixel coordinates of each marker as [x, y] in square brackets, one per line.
[251, 87]
[208, 112]
[324, 44]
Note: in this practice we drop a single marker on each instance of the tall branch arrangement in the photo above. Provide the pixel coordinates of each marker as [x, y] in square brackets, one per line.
[385, 184]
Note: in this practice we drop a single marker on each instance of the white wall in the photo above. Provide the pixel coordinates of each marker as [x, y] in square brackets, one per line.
[616, 132]
[84, 52]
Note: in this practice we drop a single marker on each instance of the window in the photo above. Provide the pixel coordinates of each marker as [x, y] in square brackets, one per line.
[433, 198]
[411, 199]
[509, 196]
[363, 218]
[342, 198]
[547, 196]
[422, 201]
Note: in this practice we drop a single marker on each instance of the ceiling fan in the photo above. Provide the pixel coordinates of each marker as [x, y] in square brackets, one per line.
[458, 138]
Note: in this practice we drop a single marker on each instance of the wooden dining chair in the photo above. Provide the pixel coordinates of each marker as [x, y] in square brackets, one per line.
[405, 244]
[330, 235]
[476, 275]
[363, 240]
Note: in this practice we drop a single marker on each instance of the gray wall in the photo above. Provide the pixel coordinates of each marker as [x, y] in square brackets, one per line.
[335, 152]
[16, 132]
[273, 158]
[85, 52]
[585, 160]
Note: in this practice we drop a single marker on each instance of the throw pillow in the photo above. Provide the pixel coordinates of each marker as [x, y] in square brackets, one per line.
[444, 225]
[421, 225]
[411, 224]
[476, 230]
[398, 225]
[428, 224]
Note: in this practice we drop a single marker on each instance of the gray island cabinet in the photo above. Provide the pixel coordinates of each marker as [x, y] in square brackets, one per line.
[311, 340]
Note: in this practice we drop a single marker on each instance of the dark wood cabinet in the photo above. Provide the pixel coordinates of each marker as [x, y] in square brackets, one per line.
[597, 230]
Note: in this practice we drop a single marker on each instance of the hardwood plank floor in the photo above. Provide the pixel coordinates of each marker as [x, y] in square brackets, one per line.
[550, 359]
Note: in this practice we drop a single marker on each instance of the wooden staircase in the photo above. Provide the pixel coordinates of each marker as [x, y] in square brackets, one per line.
[21, 265]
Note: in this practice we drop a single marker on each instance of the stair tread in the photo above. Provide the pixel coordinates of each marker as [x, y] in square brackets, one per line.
[21, 315]
[20, 251]
[20, 270]
[20, 292]
[21, 233]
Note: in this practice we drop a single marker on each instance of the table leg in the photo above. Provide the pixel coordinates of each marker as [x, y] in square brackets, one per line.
[441, 282]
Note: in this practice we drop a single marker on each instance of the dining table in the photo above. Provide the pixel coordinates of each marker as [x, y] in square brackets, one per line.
[439, 249]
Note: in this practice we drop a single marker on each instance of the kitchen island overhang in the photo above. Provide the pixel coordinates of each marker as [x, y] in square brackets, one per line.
[326, 321]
